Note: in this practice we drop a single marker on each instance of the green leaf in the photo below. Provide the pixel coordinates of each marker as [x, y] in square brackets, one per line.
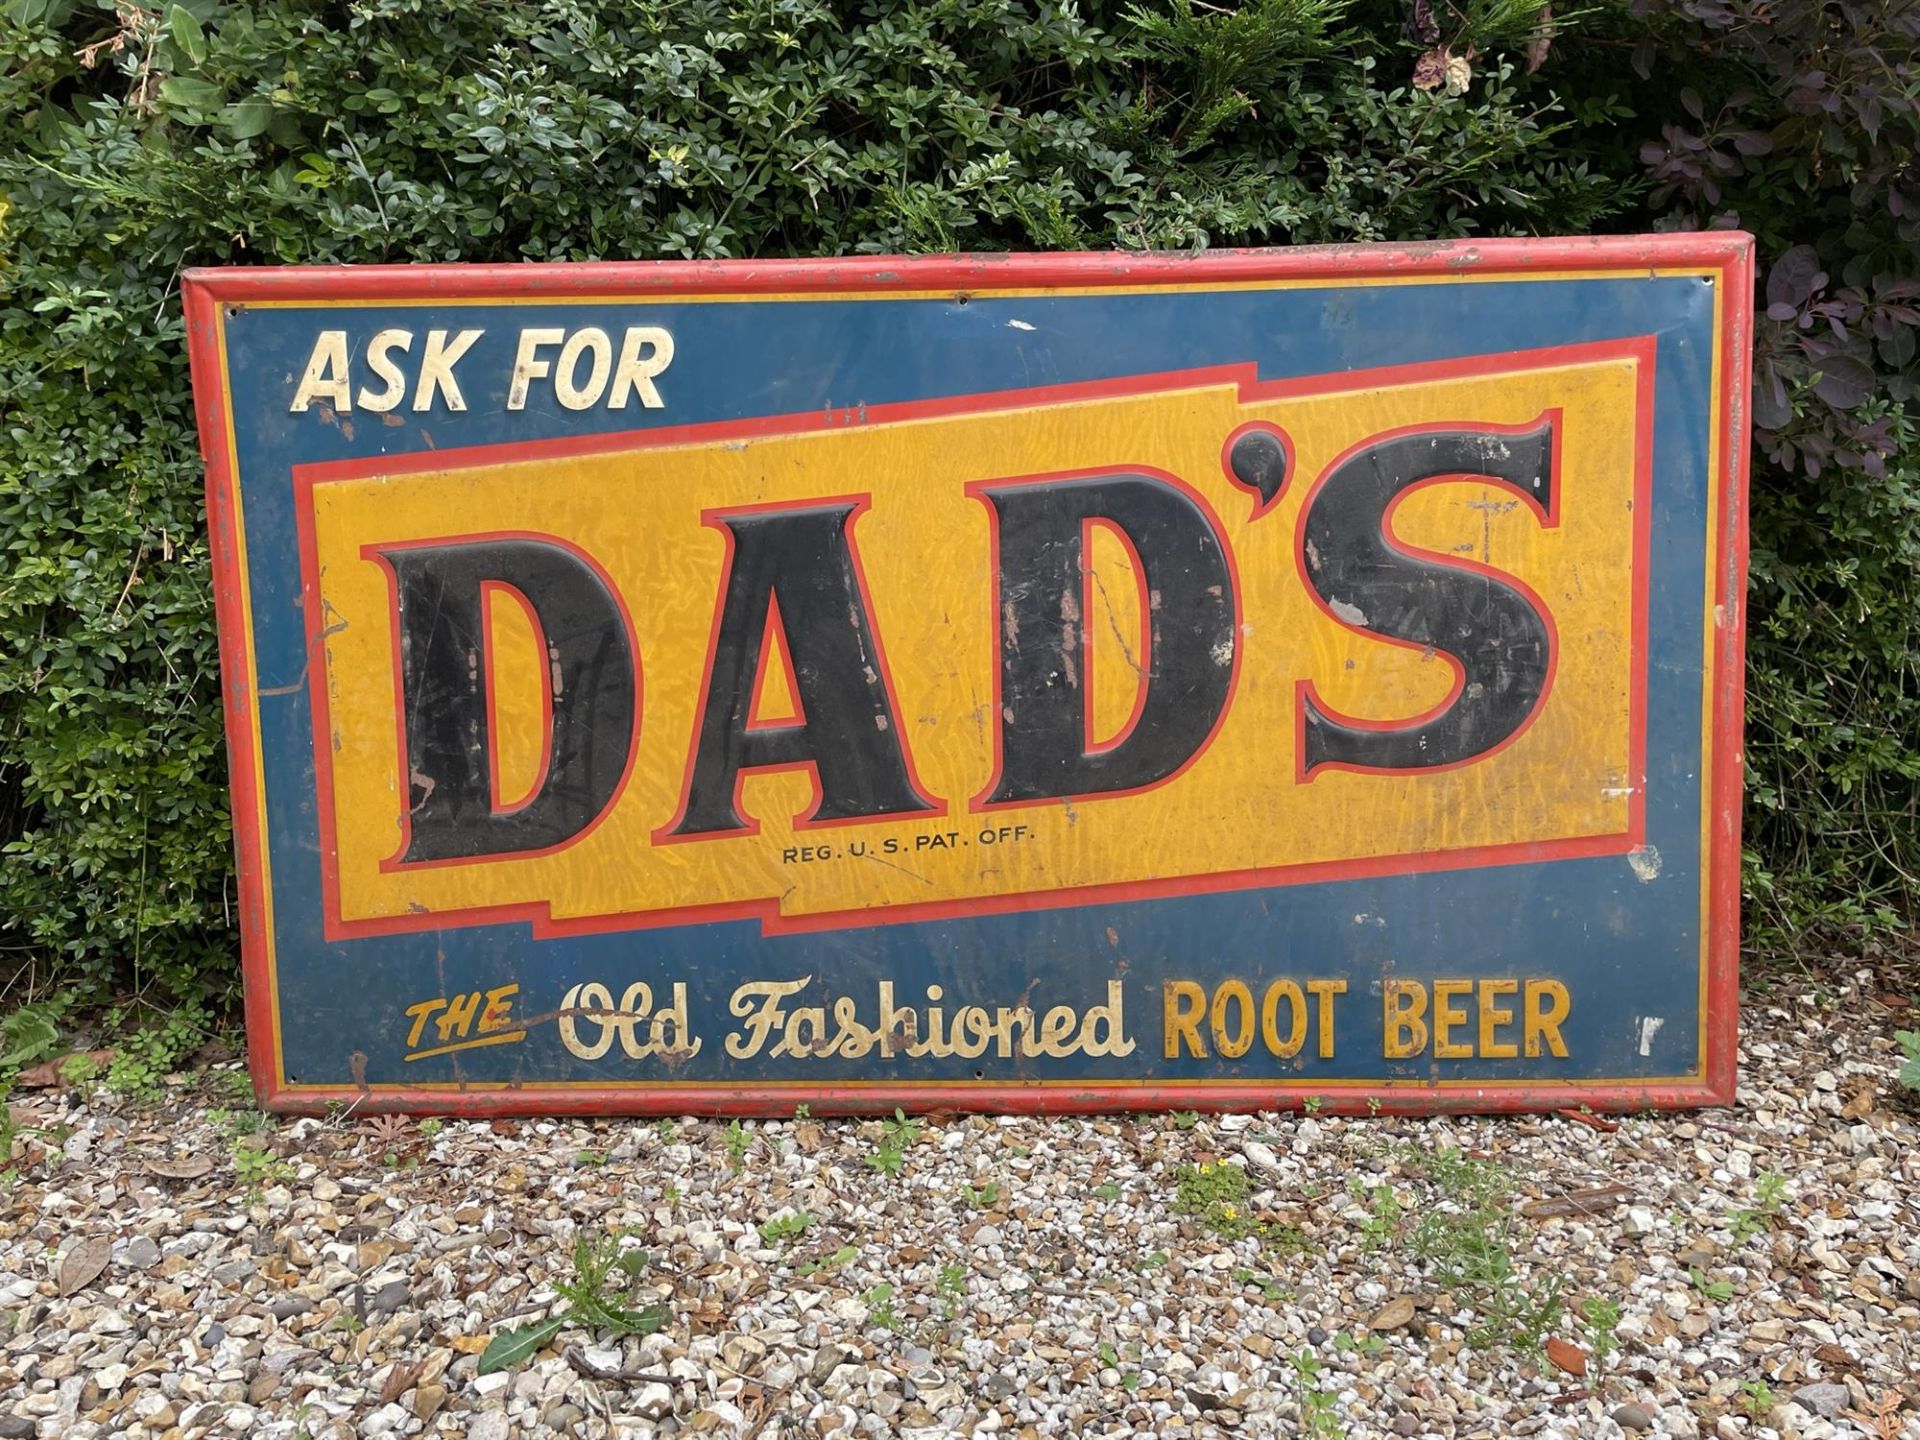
[191, 94]
[247, 119]
[187, 34]
[513, 1347]
[30, 1035]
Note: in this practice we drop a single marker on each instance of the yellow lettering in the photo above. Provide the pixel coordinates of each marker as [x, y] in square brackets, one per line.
[1547, 1004]
[1324, 991]
[420, 1013]
[1270, 1018]
[1182, 1003]
[1242, 1039]
[667, 1033]
[896, 1024]
[1492, 1017]
[597, 1001]
[1446, 1016]
[458, 1017]
[1404, 1003]
[497, 1014]
[972, 1031]
[579, 397]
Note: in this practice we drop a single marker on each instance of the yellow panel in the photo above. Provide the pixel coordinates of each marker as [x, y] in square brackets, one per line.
[924, 544]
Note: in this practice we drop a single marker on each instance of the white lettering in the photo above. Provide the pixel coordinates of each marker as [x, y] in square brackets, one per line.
[326, 374]
[436, 369]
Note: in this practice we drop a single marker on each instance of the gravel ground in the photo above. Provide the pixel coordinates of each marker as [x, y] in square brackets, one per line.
[1754, 1271]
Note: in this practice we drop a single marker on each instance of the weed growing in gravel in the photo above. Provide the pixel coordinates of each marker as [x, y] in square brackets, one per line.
[1216, 1194]
[1468, 1238]
[1319, 1420]
[843, 1256]
[785, 1227]
[240, 1122]
[1110, 1358]
[985, 1198]
[1768, 1193]
[1596, 1323]
[80, 1071]
[1757, 1399]
[889, 1157]
[431, 1127]
[255, 1166]
[1269, 1288]
[1384, 1214]
[950, 1287]
[1712, 1289]
[880, 1312]
[738, 1142]
[1184, 1119]
[606, 1276]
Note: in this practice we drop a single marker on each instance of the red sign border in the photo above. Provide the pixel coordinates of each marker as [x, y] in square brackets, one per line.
[210, 293]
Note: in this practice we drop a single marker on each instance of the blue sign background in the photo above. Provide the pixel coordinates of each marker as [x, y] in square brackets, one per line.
[1627, 948]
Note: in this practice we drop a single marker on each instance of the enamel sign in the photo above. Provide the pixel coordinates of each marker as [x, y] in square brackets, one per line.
[1033, 682]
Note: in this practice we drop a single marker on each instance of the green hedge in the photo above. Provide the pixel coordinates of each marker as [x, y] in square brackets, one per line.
[143, 140]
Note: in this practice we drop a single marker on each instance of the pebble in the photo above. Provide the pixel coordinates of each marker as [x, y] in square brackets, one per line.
[1826, 1398]
[1633, 1417]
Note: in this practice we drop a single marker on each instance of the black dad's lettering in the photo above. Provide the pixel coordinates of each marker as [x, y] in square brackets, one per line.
[1496, 633]
[453, 812]
[801, 561]
[1191, 637]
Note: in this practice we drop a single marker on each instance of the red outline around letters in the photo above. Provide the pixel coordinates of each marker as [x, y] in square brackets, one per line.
[335, 927]
[936, 808]
[1729, 254]
[1261, 504]
[1306, 692]
[489, 677]
[975, 489]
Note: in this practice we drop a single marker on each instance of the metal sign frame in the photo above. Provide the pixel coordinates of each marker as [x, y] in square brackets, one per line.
[1664, 321]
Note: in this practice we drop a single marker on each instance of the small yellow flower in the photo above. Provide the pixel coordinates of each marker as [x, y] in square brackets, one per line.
[1228, 1211]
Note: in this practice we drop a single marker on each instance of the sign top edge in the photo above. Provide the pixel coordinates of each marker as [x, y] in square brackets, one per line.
[972, 271]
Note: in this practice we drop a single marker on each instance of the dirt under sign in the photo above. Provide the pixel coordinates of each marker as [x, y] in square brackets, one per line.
[1043, 682]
